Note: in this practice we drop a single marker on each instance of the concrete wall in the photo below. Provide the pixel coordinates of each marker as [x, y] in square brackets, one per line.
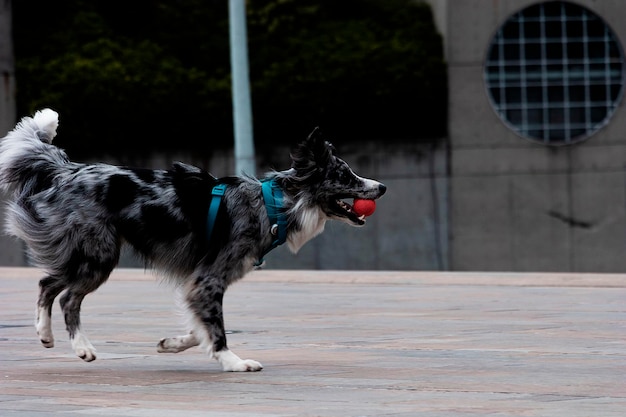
[517, 205]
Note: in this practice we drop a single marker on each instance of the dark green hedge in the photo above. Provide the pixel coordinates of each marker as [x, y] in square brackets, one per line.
[156, 76]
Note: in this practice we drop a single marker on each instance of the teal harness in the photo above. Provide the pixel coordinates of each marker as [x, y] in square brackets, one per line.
[273, 198]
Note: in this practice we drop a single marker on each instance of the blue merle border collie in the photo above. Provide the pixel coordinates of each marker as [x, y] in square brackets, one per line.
[75, 217]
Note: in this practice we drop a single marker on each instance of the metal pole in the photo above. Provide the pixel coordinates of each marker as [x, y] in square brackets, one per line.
[242, 109]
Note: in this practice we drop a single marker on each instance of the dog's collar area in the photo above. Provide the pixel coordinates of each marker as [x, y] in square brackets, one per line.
[273, 199]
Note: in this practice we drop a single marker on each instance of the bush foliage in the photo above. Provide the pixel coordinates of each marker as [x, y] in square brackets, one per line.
[155, 74]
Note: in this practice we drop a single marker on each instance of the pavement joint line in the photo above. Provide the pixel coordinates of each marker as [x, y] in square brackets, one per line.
[392, 278]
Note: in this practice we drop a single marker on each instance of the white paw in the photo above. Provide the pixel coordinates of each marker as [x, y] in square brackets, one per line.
[43, 325]
[83, 348]
[46, 338]
[47, 342]
[86, 354]
[233, 363]
[245, 365]
[177, 344]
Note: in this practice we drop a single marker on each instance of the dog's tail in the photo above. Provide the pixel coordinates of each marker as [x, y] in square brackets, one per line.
[27, 153]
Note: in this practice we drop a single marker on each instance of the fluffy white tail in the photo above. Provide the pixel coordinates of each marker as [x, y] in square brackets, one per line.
[47, 120]
[27, 151]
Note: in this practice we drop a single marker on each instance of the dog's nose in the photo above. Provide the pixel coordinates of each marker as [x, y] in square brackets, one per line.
[382, 188]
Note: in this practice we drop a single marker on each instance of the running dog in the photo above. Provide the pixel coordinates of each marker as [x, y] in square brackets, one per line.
[75, 217]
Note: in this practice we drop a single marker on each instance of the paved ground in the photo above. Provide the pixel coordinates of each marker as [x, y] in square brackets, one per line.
[333, 344]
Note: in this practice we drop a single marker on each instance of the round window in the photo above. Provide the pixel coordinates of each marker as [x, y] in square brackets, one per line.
[555, 72]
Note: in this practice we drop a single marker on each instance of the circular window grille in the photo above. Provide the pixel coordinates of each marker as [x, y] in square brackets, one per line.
[555, 72]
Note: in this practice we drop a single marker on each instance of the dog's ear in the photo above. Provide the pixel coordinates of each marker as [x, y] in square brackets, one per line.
[315, 136]
[191, 173]
[185, 168]
[314, 153]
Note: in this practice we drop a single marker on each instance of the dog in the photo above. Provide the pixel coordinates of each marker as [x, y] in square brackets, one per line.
[74, 219]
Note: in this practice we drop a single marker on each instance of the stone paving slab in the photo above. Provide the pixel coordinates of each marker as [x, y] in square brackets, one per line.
[333, 344]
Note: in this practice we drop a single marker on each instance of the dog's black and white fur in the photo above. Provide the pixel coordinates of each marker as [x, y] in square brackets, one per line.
[75, 217]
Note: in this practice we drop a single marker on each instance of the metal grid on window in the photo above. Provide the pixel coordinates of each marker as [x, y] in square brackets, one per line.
[555, 72]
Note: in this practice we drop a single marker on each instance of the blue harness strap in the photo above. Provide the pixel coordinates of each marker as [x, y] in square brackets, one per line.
[217, 193]
[273, 199]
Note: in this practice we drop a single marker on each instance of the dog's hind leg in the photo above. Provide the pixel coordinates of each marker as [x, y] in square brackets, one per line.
[92, 274]
[49, 288]
[205, 304]
[70, 304]
[178, 343]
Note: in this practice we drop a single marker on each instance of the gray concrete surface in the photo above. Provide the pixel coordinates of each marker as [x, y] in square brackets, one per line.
[333, 344]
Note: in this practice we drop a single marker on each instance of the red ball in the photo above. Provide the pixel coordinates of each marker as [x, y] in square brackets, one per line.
[364, 207]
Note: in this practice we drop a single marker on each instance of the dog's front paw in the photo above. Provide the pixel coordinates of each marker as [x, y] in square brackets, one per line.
[177, 344]
[233, 363]
[88, 355]
[245, 365]
[166, 345]
[83, 348]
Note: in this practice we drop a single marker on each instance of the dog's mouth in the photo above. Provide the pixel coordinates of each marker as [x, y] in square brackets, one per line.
[342, 209]
[339, 206]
